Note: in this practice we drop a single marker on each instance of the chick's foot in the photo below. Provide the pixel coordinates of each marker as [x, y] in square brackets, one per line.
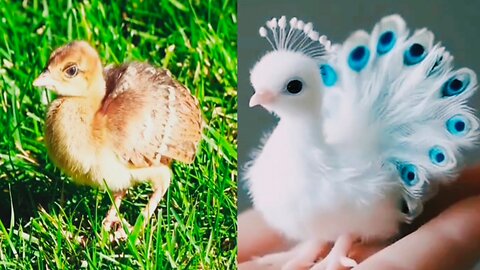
[337, 258]
[300, 257]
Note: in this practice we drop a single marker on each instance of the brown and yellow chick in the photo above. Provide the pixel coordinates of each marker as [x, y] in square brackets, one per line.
[117, 126]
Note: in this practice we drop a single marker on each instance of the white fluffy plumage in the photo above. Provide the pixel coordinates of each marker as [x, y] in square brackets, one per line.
[366, 127]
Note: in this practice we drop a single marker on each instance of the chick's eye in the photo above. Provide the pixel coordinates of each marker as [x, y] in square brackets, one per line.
[71, 71]
[294, 86]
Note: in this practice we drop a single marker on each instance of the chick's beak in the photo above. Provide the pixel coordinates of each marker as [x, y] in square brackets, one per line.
[262, 98]
[44, 80]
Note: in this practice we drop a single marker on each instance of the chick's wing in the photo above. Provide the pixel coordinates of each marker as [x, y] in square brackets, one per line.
[149, 116]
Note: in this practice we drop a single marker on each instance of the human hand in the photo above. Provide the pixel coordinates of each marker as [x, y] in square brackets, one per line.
[446, 236]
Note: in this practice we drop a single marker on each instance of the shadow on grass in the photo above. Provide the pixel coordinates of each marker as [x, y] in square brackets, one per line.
[23, 192]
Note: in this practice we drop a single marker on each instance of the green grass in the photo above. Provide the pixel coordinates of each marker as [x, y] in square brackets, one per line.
[48, 222]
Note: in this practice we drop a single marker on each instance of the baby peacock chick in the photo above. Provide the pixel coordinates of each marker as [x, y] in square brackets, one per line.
[368, 130]
[117, 126]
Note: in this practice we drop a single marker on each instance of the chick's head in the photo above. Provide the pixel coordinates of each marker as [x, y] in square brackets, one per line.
[286, 83]
[73, 70]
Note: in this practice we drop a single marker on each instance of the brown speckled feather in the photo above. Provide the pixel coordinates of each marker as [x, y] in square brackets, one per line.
[149, 117]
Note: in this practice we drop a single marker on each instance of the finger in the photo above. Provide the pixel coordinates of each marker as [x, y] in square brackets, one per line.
[469, 176]
[256, 238]
[466, 185]
[253, 265]
[361, 252]
[450, 241]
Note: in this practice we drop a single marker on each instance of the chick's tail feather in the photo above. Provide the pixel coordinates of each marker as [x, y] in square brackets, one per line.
[399, 94]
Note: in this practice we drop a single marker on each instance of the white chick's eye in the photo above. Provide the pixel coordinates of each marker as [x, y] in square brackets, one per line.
[294, 86]
[71, 71]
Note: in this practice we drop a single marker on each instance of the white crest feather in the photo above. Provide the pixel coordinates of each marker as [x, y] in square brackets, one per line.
[296, 36]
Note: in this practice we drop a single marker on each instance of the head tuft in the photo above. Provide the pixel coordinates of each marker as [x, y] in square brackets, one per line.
[296, 36]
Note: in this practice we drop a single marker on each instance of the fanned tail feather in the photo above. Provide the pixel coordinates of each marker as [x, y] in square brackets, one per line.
[407, 93]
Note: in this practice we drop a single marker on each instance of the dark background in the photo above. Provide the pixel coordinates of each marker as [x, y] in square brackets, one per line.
[454, 23]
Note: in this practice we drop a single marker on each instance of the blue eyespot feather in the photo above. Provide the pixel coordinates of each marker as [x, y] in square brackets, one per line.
[455, 86]
[414, 54]
[409, 174]
[438, 156]
[358, 58]
[329, 76]
[386, 42]
[458, 125]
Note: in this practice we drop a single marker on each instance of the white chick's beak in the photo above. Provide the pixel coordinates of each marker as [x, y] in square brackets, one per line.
[262, 98]
[44, 80]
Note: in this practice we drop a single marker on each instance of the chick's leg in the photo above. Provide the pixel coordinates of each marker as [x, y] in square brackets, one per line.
[302, 256]
[112, 219]
[160, 178]
[160, 184]
[338, 256]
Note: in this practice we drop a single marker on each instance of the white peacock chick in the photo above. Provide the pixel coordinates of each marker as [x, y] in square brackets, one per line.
[367, 131]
